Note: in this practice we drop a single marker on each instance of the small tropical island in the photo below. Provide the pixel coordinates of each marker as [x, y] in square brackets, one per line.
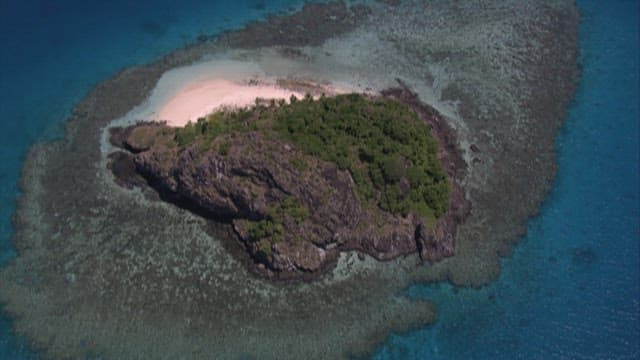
[292, 229]
[303, 180]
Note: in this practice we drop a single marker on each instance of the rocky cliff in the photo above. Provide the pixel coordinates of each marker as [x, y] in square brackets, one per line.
[293, 212]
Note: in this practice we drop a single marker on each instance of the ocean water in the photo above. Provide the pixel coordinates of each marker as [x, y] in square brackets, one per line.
[53, 52]
[570, 290]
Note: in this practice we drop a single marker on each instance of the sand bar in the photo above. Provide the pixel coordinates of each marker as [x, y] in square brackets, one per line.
[203, 97]
[189, 92]
[227, 80]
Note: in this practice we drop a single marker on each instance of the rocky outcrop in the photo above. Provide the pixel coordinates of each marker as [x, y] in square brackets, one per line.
[433, 244]
[257, 178]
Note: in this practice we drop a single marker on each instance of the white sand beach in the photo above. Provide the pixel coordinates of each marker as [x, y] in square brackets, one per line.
[203, 97]
[230, 79]
[227, 80]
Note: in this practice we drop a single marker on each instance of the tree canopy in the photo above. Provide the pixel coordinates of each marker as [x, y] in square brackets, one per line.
[387, 148]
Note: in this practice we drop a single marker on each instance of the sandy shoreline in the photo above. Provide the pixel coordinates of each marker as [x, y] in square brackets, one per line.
[203, 97]
[228, 79]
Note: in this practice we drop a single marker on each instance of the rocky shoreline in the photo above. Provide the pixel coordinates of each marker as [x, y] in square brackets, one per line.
[102, 267]
[225, 200]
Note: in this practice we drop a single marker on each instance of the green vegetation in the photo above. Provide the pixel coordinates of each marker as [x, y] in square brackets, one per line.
[298, 163]
[224, 148]
[272, 227]
[186, 135]
[389, 151]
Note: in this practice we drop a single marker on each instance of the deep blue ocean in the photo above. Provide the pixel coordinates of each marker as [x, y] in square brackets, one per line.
[570, 290]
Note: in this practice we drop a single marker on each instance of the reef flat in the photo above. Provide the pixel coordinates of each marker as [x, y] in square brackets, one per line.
[104, 271]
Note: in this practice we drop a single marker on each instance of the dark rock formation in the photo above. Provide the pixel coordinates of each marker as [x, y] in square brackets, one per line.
[256, 174]
[439, 242]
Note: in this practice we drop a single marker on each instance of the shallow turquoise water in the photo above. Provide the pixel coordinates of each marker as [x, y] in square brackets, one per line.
[570, 290]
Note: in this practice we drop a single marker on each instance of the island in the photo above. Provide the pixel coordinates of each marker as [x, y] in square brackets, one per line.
[248, 235]
[302, 181]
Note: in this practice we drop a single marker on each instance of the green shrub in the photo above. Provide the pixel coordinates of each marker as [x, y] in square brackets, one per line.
[186, 135]
[379, 141]
[393, 169]
[298, 164]
[272, 226]
[224, 148]
[293, 207]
